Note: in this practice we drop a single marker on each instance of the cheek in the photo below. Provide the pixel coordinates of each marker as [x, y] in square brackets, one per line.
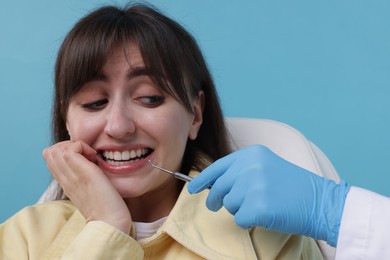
[172, 128]
[83, 128]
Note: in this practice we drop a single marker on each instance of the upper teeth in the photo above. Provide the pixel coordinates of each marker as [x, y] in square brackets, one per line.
[125, 155]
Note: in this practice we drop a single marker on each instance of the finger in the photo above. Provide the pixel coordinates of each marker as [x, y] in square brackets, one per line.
[54, 159]
[58, 146]
[221, 187]
[58, 158]
[255, 213]
[78, 163]
[235, 198]
[209, 175]
[84, 149]
[59, 169]
[246, 218]
[75, 146]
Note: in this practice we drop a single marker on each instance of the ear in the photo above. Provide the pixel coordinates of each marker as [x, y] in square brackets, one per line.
[198, 116]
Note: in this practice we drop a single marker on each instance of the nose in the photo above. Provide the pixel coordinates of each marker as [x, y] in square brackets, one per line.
[120, 123]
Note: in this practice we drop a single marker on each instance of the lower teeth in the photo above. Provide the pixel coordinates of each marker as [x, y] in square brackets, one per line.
[112, 162]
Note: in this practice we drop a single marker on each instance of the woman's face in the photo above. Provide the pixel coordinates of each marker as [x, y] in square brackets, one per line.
[129, 120]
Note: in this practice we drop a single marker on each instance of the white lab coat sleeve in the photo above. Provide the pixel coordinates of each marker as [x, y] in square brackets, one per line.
[365, 226]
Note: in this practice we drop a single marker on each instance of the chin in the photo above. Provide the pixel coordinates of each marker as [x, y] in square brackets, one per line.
[131, 192]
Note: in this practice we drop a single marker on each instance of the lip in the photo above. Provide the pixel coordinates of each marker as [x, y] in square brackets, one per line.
[125, 168]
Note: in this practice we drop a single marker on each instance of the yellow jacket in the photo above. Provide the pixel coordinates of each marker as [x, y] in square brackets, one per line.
[56, 229]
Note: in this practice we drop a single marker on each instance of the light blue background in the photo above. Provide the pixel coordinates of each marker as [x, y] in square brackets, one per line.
[320, 66]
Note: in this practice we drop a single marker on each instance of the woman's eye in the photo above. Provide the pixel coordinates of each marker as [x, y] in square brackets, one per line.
[151, 101]
[95, 105]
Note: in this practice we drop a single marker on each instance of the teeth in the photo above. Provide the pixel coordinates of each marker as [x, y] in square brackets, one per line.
[125, 155]
[117, 156]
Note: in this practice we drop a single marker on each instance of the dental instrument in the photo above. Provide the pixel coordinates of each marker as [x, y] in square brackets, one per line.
[177, 175]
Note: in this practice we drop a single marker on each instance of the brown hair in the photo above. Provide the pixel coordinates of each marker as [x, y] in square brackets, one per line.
[170, 54]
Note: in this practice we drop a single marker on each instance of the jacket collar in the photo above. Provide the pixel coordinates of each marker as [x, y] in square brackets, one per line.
[210, 234]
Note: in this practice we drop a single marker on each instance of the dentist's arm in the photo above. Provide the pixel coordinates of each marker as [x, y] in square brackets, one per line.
[261, 189]
[365, 226]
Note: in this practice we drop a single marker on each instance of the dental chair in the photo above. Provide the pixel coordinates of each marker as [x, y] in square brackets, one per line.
[283, 140]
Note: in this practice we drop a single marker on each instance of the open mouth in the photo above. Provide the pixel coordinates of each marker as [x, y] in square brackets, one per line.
[125, 157]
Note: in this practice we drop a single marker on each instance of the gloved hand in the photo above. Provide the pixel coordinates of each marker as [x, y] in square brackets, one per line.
[261, 189]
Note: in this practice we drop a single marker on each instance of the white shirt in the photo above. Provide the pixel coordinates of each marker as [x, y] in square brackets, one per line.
[144, 230]
[365, 226]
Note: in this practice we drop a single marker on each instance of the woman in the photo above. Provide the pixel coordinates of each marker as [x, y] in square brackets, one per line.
[132, 86]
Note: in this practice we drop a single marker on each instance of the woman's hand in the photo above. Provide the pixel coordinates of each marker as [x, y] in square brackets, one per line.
[262, 189]
[73, 165]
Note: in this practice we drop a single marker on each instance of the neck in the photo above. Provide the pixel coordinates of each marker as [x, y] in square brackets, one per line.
[155, 205]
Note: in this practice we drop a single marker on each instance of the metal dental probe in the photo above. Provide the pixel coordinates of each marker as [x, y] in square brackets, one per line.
[177, 175]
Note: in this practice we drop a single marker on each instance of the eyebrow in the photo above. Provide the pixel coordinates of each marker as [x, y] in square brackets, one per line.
[132, 73]
[138, 71]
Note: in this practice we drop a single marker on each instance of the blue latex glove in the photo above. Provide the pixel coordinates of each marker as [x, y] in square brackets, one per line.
[261, 189]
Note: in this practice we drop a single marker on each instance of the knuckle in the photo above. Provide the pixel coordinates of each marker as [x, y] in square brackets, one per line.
[46, 153]
[55, 153]
[67, 155]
